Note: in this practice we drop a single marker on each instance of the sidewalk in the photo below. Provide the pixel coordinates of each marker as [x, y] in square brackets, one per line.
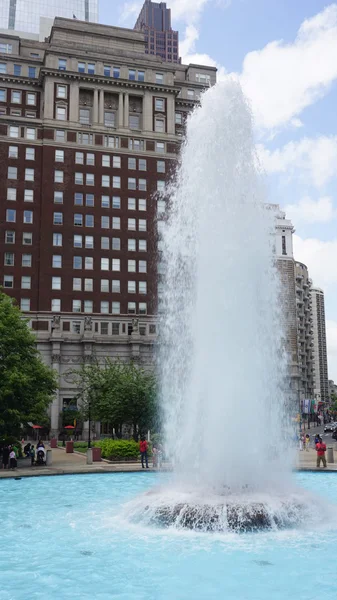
[307, 461]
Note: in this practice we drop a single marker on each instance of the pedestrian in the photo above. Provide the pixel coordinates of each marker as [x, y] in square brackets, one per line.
[32, 455]
[5, 457]
[321, 448]
[307, 442]
[143, 451]
[26, 450]
[40, 444]
[317, 438]
[301, 441]
[12, 459]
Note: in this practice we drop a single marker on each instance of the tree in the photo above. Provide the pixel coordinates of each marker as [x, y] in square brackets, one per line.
[26, 384]
[119, 394]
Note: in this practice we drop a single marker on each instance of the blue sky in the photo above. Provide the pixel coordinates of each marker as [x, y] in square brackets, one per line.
[285, 53]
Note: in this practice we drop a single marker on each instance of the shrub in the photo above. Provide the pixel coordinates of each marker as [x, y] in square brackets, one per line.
[118, 449]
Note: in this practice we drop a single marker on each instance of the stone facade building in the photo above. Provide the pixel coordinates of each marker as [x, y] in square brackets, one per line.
[90, 127]
[321, 379]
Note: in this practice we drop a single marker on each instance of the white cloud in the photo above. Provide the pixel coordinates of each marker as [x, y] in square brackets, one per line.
[313, 160]
[311, 211]
[320, 258]
[188, 11]
[331, 338]
[283, 79]
[187, 45]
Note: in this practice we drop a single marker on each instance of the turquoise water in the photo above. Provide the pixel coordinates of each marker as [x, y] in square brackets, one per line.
[66, 538]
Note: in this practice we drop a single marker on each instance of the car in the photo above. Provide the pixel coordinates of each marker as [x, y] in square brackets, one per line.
[330, 427]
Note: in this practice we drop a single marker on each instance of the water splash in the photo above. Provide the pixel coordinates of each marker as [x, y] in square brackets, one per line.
[221, 363]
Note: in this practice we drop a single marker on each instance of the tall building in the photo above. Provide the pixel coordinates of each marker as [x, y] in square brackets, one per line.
[24, 15]
[321, 380]
[90, 127]
[295, 302]
[155, 22]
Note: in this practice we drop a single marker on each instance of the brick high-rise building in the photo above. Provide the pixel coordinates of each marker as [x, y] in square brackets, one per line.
[155, 22]
[90, 127]
[321, 379]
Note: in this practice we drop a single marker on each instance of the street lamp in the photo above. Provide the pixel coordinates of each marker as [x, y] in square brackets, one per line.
[89, 438]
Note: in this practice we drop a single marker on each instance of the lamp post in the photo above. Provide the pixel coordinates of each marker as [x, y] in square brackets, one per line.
[89, 437]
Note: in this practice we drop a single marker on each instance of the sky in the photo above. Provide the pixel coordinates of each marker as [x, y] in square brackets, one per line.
[285, 54]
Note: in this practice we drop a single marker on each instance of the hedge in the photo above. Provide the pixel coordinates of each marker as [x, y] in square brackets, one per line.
[119, 449]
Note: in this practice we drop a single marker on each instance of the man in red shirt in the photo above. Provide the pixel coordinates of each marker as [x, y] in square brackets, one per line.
[143, 451]
[321, 448]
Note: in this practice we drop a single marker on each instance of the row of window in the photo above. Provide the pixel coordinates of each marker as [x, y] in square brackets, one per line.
[13, 152]
[28, 195]
[86, 241]
[32, 71]
[84, 220]
[11, 216]
[16, 97]
[86, 306]
[29, 132]
[86, 262]
[109, 71]
[87, 285]
[17, 112]
[26, 259]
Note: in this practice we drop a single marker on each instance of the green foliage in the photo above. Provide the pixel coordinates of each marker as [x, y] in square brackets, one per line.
[118, 449]
[68, 416]
[26, 384]
[119, 394]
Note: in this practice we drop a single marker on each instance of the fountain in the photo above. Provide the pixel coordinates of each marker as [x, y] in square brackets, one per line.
[222, 368]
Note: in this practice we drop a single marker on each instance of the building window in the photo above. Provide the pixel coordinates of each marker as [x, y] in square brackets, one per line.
[58, 218]
[12, 173]
[27, 238]
[77, 306]
[29, 174]
[116, 243]
[62, 64]
[105, 222]
[88, 306]
[6, 48]
[131, 287]
[178, 118]
[77, 241]
[11, 194]
[142, 308]
[160, 104]
[26, 260]
[76, 327]
[81, 67]
[58, 176]
[89, 263]
[3, 68]
[61, 91]
[77, 262]
[56, 305]
[104, 264]
[88, 287]
[79, 158]
[30, 114]
[13, 132]
[105, 201]
[116, 223]
[132, 224]
[56, 283]
[60, 135]
[131, 266]
[142, 266]
[116, 162]
[105, 285]
[159, 125]
[61, 113]
[160, 166]
[8, 281]
[142, 204]
[105, 243]
[116, 72]
[79, 178]
[16, 97]
[58, 197]
[132, 185]
[91, 69]
[10, 215]
[160, 147]
[16, 112]
[142, 165]
[132, 163]
[78, 199]
[141, 75]
[161, 207]
[142, 225]
[85, 138]
[17, 70]
[134, 121]
[59, 156]
[57, 261]
[30, 133]
[116, 202]
[116, 264]
[284, 246]
[116, 308]
[89, 220]
[30, 153]
[85, 116]
[116, 182]
[107, 71]
[116, 286]
[32, 72]
[3, 95]
[90, 179]
[142, 287]
[105, 307]
[111, 141]
[90, 159]
[89, 242]
[106, 181]
[30, 99]
[10, 237]
[9, 259]
[132, 75]
[105, 160]
[77, 284]
[26, 282]
[132, 203]
[159, 78]
[131, 308]
[25, 304]
[137, 145]
[78, 220]
[57, 239]
[109, 118]
[28, 195]
[131, 245]
[142, 186]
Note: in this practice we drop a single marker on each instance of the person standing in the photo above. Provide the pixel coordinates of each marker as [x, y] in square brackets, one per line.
[143, 452]
[12, 459]
[321, 448]
[32, 455]
[5, 457]
[307, 442]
